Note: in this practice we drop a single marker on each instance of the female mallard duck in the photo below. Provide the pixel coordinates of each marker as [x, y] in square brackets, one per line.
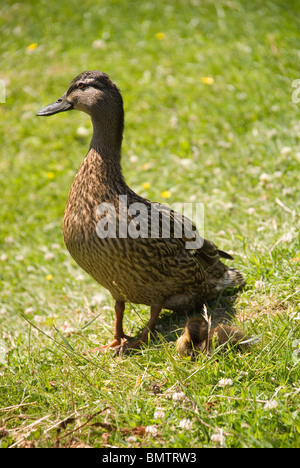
[156, 270]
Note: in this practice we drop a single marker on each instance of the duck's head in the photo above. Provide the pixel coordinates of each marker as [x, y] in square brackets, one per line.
[92, 92]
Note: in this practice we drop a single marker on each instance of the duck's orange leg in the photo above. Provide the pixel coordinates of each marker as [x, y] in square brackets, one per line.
[119, 335]
[154, 313]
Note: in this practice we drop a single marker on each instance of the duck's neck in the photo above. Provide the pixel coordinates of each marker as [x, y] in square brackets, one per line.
[107, 134]
[105, 150]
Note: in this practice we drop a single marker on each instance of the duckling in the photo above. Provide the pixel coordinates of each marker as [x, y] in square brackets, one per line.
[155, 270]
[198, 338]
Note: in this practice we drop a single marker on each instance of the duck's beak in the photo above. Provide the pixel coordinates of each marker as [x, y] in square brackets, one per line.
[61, 105]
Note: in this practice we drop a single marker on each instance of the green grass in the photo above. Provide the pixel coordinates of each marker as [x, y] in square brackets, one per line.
[233, 144]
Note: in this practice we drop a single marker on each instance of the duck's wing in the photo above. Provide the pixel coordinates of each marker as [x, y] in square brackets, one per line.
[170, 246]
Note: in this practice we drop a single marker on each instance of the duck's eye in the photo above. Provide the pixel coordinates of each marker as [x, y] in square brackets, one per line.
[81, 85]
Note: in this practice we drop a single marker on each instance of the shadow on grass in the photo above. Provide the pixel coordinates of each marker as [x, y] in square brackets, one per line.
[171, 323]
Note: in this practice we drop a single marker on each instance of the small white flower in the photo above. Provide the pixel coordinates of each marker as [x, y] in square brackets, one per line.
[264, 177]
[151, 430]
[259, 284]
[9, 240]
[99, 44]
[29, 310]
[178, 396]
[287, 237]
[97, 299]
[272, 132]
[228, 206]
[30, 269]
[55, 246]
[3, 258]
[218, 437]
[49, 256]
[285, 150]
[225, 383]
[186, 424]
[19, 258]
[133, 158]
[271, 404]
[79, 277]
[82, 131]
[131, 439]
[170, 80]
[159, 414]
[38, 318]
[251, 211]
[173, 121]
[277, 174]
[67, 329]
[185, 162]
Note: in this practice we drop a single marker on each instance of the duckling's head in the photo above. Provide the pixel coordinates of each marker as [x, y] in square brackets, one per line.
[194, 337]
[92, 92]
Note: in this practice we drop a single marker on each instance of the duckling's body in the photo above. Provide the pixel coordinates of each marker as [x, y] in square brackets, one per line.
[197, 337]
[161, 272]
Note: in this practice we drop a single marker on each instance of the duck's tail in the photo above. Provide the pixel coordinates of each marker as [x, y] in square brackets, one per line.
[231, 279]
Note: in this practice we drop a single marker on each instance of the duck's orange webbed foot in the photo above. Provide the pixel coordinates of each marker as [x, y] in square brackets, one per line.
[115, 344]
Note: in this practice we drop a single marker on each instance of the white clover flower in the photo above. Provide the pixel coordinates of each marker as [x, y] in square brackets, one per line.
[178, 396]
[82, 131]
[287, 237]
[225, 383]
[159, 414]
[285, 150]
[251, 211]
[9, 240]
[79, 277]
[264, 177]
[259, 284]
[97, 299]
[133, 158]
[218, 437]
[151, 430]
[99, 44]
[49, 256]
[271, 404]
[186, 424]
[67, 329]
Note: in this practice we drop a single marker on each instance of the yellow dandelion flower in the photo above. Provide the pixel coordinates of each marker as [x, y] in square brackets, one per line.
[160, 36]
[207, 80]
[49, 277]
[32, 46]
[166, 194]
[146, 185]
[50, 175]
